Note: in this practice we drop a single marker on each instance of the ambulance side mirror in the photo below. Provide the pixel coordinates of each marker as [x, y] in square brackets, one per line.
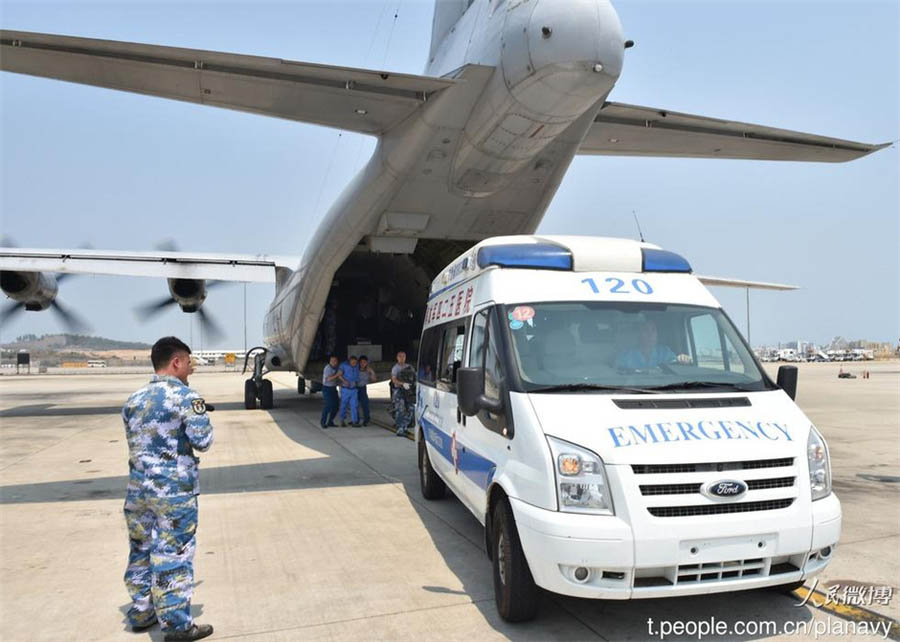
[787, 380]
[470, 393]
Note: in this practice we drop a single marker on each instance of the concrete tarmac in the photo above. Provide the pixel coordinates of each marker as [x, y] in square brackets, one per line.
[307, 534]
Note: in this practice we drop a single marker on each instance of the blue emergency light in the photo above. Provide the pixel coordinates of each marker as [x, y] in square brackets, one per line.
[664, 261]
[544, 256]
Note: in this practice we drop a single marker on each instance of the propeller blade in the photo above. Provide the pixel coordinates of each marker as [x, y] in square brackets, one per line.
[210, 328]
[72, 321]
[154, 307]
[167, 245]
[62, 276]
[6, 241]
[10, 310]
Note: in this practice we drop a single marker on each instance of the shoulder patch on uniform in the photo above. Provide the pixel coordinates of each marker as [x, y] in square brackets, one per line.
[199, 406]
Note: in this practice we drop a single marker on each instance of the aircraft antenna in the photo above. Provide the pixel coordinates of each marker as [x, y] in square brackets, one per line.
[638, 223]
[387, 47]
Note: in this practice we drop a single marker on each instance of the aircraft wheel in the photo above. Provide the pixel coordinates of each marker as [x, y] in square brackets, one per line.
[249, 394]
[266, 400]
[515, 592]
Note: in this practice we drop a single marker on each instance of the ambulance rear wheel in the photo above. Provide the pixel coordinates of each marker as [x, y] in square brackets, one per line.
[266, 400]
[433, 487]
[250, 394]
[515, 592]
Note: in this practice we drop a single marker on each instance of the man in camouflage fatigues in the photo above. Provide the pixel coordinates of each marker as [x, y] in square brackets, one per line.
[403, 376]
[165, 422]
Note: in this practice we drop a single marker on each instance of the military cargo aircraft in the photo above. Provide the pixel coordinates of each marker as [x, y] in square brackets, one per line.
[475, 147]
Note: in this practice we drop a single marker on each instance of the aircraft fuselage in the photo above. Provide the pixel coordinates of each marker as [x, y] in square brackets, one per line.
[549, 65]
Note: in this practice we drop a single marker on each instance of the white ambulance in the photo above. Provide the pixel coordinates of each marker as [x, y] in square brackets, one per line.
[593, 406]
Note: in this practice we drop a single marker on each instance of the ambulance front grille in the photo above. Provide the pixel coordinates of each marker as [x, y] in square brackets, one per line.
[717, 571]
[655, 469]
[687, 489]
[719, 509]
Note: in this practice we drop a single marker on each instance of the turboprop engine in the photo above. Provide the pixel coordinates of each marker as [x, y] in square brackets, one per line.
[189, 295]
[33, 290]
[36, 291]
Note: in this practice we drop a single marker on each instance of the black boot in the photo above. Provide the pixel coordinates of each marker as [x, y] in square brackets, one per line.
[196, 632]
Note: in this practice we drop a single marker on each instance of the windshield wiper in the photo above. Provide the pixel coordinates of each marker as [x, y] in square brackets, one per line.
[577, 387]
[689, 385]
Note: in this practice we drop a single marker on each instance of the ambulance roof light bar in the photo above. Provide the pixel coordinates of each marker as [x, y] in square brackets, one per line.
[664, 261]
[545, 256]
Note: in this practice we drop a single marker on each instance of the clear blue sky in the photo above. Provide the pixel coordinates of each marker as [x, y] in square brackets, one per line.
[123, 171]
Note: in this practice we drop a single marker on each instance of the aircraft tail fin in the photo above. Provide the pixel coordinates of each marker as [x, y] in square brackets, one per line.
[446, 14]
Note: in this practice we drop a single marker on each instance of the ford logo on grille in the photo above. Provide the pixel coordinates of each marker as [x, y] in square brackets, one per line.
[725, 489]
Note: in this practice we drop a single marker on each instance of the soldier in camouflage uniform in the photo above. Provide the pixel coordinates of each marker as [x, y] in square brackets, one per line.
[165, 422]
[403, 376]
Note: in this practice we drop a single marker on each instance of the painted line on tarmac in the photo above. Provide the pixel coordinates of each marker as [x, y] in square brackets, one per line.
[849, 612]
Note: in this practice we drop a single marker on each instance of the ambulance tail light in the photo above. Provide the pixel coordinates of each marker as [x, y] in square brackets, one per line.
[581, 484]
[819, 465]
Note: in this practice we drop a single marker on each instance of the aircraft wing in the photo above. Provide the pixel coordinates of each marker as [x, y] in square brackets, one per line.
[739, 283]
[629, 130]
[172, 265]
[370, 102]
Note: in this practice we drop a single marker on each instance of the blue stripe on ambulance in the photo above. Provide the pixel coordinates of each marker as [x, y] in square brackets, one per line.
[472, 465]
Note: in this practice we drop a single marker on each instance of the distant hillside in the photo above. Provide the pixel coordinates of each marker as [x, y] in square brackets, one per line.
[57, 342]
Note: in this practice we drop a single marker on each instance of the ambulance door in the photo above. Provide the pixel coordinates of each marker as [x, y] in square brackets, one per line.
[483, 441]
[453, 339]
[429, 409]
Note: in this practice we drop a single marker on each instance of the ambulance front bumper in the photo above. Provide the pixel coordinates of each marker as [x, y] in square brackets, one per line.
[687, 557]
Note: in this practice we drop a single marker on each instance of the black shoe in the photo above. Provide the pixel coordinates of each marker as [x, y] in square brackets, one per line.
[365, 423]
[343, 424]
[137, 628]
[330, 424]
[196, 632]
[355, 424]
[323, 426]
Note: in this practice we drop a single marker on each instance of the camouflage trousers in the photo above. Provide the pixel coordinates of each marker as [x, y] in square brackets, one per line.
[160, 573]
[403, 410]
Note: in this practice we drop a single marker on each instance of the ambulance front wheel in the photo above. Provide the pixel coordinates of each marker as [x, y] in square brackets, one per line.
[266, 399]
[250, 394]
[515, 592]
[433, 487]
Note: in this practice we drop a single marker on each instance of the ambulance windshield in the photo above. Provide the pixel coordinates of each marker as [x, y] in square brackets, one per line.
[584, 345]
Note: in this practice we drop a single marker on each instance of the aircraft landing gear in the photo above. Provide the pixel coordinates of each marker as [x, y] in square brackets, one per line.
[256, 387]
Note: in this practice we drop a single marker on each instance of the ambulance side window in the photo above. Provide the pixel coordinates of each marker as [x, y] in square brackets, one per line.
[451, 354]
[713, 347]
[493, 374]
[476, 342]
[707, 342]
[428, 355]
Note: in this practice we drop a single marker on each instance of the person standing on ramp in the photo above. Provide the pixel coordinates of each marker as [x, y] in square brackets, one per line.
[165, 422]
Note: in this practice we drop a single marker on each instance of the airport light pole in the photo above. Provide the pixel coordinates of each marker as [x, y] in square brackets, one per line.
[245, 318]
[748, 319]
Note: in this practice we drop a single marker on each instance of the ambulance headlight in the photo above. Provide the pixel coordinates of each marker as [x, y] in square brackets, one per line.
[819, 465]
[580, 479]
